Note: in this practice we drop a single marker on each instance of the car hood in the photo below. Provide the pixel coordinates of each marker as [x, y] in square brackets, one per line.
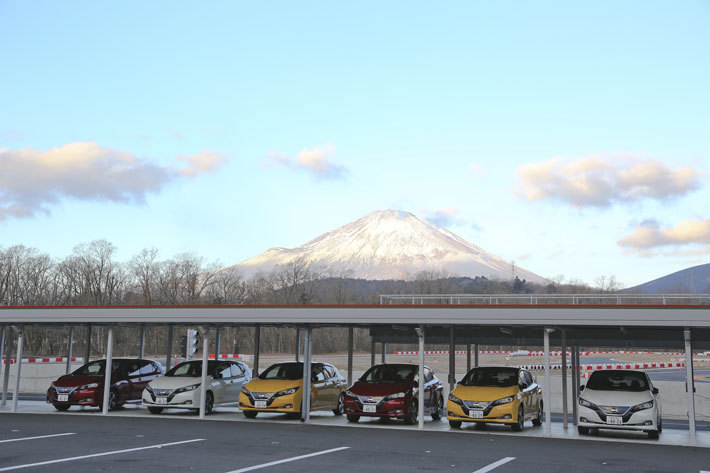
[483, 393]
[616, 398]
[379, 389]
[272, 385]
[71, 381]
[174, 382]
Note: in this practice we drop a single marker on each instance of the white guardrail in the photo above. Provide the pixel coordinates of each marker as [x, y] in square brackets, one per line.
[552, 299]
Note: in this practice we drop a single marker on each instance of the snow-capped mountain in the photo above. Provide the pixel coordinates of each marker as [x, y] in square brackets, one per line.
[389, 244]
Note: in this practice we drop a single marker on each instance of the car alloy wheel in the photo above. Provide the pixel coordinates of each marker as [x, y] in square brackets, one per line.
[583, 430]
[353, 418]
[538, 420]
[455, 424]
[155, 410]
[411, 418]
[439, 413]
[62, 407]
[251, 414]
[518, 426]
[209, 402]
[340, 408]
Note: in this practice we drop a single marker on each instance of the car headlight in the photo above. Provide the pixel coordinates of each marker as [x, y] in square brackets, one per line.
[149, 389]
[585, 403]
[52, 385]
[246, 391]
[88, 386]
[505, 400]
[185, 389]
[350, 394]
[453, 398]
[644, 406]
[286, 392]
[395, 396]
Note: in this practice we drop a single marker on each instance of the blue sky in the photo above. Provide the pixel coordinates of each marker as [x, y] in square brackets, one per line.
[570, 138]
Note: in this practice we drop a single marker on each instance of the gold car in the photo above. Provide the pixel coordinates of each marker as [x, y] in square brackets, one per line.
[279, 388]
[500, 395]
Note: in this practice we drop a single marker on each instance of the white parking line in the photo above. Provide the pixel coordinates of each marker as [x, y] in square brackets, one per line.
[115, 452]
[38, 437]
[495, 465]
[286, 460]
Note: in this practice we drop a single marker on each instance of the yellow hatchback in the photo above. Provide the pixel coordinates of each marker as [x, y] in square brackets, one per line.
[500, 395]
[279, 388]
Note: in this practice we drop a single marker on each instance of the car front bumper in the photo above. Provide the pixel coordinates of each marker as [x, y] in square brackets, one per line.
[184, 400]
[290, 403]
[85, 397]
[644, 420]
[503, 414]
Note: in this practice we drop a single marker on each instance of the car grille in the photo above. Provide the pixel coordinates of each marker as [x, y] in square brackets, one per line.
[476, 404]
[370, 399]
[261, 396]
[162, 392]
[614, 410]
[63, 390]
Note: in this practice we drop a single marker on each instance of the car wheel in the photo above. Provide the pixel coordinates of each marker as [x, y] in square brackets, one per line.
[518, 426]
[583, 430]
[660, 425]
[340, 408]
[209, 402]
[538, 420]
[411, 417]
[155, 410]
[251, 414]
[62, 407]
[353, 418]
[439, 413]
[653, 434]
[455, 424]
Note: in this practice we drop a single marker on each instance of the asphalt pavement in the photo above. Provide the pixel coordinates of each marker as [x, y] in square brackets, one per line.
[88, 444]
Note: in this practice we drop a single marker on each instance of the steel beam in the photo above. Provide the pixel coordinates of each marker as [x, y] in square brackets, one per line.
[70, 346]
[468, 357]
[575, 383]
[88, 344]
[169, 357]
[690, 384]
[475, 361]
[205, 365]
[257, 341]
[422, 381]
[307, 376]
[384, 352]
[16, 393]
[298, 343]
[217, 342]
[108, 370]
[8, 365]
[372, 352]
[564, 379]
[350, 355]
[548, 384]
[452, 359]
[142, 341]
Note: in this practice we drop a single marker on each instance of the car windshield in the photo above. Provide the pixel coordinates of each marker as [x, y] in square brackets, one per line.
[494, 377]
[618, 381]
[290, 371]
[389, 374]
[191, 369]
[96, 368]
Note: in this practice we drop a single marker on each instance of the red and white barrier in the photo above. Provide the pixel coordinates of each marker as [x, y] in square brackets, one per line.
[44, 360]
[610, 366]
[224, 356]
[541, 353]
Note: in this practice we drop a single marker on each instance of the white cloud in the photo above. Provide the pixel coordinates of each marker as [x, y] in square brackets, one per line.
[651, 235]
[31, 179]
[602, 180]
[316, 161]
[444, 217]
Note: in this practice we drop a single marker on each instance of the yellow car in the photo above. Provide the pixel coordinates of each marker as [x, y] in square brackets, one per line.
[279, 388]
[500, 395]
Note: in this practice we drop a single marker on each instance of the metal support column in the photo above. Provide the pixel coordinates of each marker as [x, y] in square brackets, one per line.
[169, 358]
[452, 359]
[217, 342]
[690, 384]
[372, 352]
[257, 341]
[88, 344]
[564, 379]
[3, 367]
[16, 393]
[142, 341]
[70, 345]
[205, 360]
[8, 365]
[384, 352]
[420, 410]
[298, 343]
[307, 373]
[548, 385]
[575, 382]
[468, 357]
[475, 356]
[350, 355]
[108, 370]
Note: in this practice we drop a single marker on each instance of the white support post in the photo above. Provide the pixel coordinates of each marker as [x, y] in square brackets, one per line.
[307, 373]
[217, 342]
[16, 393]
[475, 356]
[546, 391]
[350, 355]
[70, 345]
[384, 352]
[564, 379]
[8, 365]
[298, 343]
[205, 361]
[107, 371]
[169, 357]
[468, 357]
[422, 380]
[690, 384]
[257, 342]
[142, 341]
[3, 367]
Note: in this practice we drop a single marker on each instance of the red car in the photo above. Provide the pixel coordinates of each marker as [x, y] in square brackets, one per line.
[391, 391]
[85, 386]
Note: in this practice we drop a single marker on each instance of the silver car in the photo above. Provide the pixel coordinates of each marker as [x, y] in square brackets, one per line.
[180, 387]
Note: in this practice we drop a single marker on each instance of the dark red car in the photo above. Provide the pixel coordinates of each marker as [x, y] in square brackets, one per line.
[391, 391]
[85, 386]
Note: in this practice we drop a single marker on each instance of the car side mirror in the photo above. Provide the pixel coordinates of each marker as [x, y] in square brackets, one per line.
[416, 384]
[654, 390]
[523, 385]
[581, 388]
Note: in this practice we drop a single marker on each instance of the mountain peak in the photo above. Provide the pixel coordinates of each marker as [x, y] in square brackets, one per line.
[390, 244]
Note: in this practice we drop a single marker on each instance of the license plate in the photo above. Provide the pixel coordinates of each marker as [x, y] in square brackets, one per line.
[369, 409]
[260, 404]
[475, 414]
[161, 400]
[614, 420]
[62, 397]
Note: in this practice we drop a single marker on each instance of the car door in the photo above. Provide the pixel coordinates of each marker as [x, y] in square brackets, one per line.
[525, 394]
[133, 389]
[235, 383]
[318, 387]
[222, 382]
[332, 391]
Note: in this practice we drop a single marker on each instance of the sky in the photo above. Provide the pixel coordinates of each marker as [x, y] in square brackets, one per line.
[571, 138]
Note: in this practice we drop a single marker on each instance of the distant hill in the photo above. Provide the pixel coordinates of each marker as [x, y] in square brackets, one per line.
[695, 280]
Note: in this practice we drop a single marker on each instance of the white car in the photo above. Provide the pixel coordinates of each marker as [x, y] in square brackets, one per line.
[619, 399]
[180, 386]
